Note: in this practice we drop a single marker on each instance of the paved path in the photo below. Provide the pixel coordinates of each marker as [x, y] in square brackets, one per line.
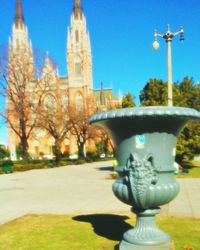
[80, 189]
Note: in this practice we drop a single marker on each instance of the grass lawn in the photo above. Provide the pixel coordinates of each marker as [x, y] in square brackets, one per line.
[87, 232]
[193, 170]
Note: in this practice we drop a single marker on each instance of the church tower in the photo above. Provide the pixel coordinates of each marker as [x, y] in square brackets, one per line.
[19, 45]
[20, 69]
[79, 58]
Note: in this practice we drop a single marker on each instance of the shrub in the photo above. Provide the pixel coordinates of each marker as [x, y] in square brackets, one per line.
[35, 161]
[66, 155]
[78, 161]
[64, 163]
[91, 157]
[3, 152]
[29, 166]
[6, 166]
[6, 163]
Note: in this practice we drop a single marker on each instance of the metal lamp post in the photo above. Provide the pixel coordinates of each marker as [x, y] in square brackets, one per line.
[168, 36]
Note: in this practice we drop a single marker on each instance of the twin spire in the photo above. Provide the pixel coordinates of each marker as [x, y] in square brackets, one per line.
[19, 17]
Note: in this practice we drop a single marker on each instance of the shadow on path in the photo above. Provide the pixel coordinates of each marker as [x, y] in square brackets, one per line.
[106, 168]
[108, 226]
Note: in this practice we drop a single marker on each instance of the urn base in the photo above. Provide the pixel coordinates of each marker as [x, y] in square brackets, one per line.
[128, 246]
[145, 235]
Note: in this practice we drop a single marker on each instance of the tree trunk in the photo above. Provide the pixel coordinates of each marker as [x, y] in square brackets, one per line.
[81, 153]
[57, 150]
[24, 145]
[24, 139]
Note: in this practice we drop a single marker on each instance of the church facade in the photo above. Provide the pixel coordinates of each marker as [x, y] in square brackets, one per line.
[75, 88]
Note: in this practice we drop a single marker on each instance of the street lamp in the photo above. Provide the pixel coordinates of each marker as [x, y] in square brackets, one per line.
[168, 36]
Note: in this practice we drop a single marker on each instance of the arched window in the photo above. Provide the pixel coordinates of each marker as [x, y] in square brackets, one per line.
[77, 36]
[50, 102]
[79, 102]
[65, 102]
[17, 43]
[78, 70]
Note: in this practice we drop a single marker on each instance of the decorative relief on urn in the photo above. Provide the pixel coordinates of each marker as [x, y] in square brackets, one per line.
[140, 174]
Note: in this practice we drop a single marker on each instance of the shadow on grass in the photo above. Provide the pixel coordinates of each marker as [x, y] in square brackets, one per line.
[188, 166]
[108, 226]
[106, 168]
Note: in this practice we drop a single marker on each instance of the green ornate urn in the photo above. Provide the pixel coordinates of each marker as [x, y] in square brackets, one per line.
[145, 143]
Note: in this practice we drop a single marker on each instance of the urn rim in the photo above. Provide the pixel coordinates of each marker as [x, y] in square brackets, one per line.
[150, 111]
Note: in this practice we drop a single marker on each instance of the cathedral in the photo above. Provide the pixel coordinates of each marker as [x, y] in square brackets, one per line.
[75, 88]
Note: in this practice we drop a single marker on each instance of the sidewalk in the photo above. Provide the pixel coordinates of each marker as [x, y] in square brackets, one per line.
[82, 189]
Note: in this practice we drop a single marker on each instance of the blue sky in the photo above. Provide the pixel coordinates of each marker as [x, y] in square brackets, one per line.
[121, 37]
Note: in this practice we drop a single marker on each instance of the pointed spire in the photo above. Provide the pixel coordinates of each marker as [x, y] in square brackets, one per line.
[47, 60]
[102, 95]
[77, 8]
[48, 68]
[19, 17]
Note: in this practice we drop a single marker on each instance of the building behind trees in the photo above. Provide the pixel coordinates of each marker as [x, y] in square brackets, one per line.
[43, 90]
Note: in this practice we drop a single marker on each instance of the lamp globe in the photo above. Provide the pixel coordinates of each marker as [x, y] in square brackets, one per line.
[155, 45]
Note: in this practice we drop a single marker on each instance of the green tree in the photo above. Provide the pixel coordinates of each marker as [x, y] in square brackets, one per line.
[195, 99]
[154, 93]
[128, 101]
[188, 144]
[4, 152]
[185, 94]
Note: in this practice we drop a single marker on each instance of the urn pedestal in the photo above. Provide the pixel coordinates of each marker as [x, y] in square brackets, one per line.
[145, 146]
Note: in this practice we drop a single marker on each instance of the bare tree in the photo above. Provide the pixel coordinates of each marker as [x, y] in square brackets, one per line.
[80, 127]
[52, 113]
[108, 143]
[54, 121]
[23, 96]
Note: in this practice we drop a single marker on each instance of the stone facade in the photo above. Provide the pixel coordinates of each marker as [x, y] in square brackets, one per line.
[74, 89]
